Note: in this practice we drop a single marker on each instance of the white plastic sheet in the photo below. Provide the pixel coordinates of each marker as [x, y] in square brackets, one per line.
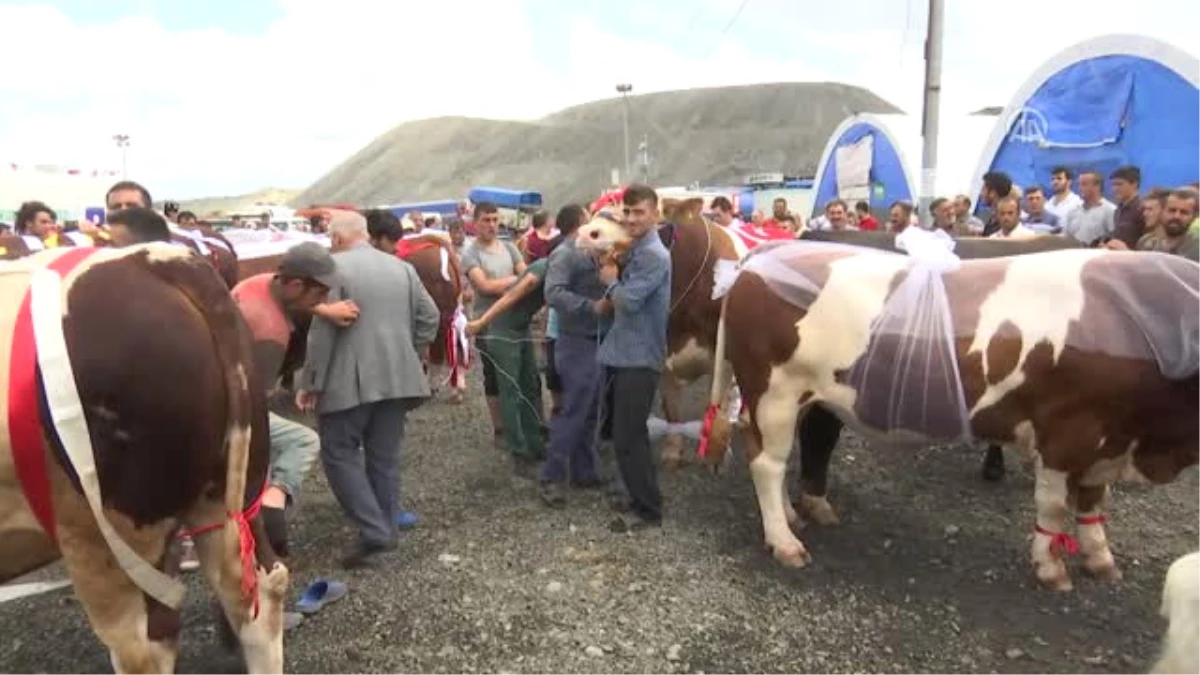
[1139, 306]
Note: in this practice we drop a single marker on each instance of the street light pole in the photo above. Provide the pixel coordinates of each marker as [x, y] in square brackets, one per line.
[122, 141]
[929, 119]
[624, 90]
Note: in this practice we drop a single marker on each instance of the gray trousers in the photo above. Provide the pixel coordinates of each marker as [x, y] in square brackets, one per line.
[360, 450]
[572, 450]
[294, 448]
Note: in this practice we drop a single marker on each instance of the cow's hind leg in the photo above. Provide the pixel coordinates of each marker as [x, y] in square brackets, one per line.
[819, 430]
[261, 634]
[1098, 560]
[1050, 540]
[775, 418]
[671, 449]
[141, 636]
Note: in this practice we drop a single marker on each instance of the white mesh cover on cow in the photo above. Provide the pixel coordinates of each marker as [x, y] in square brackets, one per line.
[906, 376]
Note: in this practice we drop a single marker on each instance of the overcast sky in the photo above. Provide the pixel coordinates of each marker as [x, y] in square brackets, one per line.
[228, 96]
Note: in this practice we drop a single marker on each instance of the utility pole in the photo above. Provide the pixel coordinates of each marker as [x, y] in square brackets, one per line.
[623, 90]
[644, 149]
[929, 117]
[122, 141]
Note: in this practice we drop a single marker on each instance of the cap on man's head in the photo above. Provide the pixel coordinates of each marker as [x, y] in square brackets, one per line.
[309, 260]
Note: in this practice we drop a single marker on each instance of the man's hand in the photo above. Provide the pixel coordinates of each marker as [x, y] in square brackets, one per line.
[342, 313]
[1116, 245]
[602, 307]
[609, 273]
[474, 327]
[306, 400]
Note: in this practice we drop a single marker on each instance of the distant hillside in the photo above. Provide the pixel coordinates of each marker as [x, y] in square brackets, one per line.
[708, 135]
[208, 205]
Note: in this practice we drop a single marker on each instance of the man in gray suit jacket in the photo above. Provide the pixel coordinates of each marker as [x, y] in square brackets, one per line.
[364, 378]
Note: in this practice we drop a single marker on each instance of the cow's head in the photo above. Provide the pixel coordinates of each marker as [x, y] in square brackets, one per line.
[604, 236]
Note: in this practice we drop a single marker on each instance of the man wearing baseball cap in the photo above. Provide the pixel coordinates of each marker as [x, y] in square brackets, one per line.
[277, 308]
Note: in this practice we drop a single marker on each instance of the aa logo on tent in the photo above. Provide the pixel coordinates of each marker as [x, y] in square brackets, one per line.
[1028, 125]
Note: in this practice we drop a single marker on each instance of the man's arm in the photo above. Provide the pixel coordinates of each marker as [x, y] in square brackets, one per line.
[518, 260]
[486, 286]
[512, 296]
[645, 274]
[321, 335]
[558, 291]
[426, 315]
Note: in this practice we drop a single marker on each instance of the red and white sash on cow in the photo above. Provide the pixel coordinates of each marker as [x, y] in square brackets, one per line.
[32, 303]
[458, 348]
[411, 243]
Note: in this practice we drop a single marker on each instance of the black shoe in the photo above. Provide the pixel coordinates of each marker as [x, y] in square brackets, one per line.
[993, 465]
[589, 484]
[552, 495]
[367, 554]
[619, 503]
[275, 523]
[631, 523]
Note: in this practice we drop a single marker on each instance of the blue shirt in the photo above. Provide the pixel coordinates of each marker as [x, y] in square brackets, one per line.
[1045, 223]
[641, 302]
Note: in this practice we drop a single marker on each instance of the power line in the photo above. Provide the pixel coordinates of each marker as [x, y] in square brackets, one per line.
[732, 20]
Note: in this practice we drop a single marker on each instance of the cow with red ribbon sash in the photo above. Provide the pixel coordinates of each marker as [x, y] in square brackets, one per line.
[105, 458]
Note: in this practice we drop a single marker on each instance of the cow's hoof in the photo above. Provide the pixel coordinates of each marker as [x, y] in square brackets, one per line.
[818, 510]
[1104, 570]
[792, 555]
[456, 397]
[1054, 577]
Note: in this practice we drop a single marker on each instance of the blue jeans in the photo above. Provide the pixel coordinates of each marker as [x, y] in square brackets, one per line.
[294, 448]
[572, 450]
[360, 450]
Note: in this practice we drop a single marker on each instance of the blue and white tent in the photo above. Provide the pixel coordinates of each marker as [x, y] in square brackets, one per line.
[863, 161]
[1098, 105]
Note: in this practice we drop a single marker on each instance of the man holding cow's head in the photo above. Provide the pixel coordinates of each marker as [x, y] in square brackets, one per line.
[633, 350]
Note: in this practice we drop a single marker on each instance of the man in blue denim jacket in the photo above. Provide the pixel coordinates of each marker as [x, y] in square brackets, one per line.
[633, 351]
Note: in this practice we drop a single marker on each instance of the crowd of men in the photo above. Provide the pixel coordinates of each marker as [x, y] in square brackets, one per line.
[605, 332]
[1159, 219]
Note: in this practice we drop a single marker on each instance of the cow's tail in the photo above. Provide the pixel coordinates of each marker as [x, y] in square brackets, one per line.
[717, 430]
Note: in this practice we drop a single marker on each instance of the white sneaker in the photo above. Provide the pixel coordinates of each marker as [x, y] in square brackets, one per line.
[188, 560]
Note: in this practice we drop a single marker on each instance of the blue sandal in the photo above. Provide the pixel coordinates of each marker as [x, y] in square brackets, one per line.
[320, 593]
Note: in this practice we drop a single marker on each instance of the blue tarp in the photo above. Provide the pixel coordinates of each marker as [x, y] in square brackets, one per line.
[506, 198]
[446, 207]
[1102, 113]
[889, 178]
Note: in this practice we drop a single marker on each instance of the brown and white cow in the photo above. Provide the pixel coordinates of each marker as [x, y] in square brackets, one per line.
[1056, 353]
[132, 412]
[437, 265]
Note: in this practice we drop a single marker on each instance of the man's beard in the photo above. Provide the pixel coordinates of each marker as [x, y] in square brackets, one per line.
[1174, 228]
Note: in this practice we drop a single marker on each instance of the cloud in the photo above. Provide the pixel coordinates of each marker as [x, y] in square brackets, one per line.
[213, 112]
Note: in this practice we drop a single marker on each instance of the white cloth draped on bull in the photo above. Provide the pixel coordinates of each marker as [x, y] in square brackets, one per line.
[908, 378]
[906, 383]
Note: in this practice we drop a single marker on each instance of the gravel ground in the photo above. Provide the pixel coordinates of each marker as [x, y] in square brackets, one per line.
[928, 572]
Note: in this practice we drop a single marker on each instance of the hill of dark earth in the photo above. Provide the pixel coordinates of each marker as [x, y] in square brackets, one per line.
[711, 136]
